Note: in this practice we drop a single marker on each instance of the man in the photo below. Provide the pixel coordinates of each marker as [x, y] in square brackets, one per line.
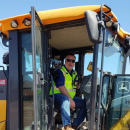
[64, 94]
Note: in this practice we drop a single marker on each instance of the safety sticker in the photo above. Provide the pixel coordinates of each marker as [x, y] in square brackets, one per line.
[123, 87]
[3, 82]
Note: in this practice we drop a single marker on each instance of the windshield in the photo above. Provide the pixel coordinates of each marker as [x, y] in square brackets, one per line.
[120, 103]
[115, 88]
[113, 55]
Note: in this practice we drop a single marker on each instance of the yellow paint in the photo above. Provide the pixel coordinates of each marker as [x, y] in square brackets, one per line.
[52, 16]
[123, 123]
[3, 125]
[2, 110]
[56, 16]
[90, 66]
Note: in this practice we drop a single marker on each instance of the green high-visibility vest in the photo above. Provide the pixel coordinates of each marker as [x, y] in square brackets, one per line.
[69, 82]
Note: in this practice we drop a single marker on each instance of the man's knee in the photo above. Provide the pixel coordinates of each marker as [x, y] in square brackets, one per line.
[83, 103]
[66, 102]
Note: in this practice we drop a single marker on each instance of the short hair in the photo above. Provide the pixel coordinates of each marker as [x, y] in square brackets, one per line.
[70, 54]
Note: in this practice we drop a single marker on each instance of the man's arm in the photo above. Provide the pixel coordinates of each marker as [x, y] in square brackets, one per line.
[64, 91]
[60, 81]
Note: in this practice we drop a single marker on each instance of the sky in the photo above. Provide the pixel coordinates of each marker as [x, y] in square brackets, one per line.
[9, 8]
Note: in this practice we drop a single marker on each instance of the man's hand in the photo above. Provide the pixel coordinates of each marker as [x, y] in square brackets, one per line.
[64, 91]
[78, 86]
[72, 104]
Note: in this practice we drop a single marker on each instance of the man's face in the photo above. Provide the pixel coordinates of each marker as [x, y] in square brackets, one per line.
[70, 62]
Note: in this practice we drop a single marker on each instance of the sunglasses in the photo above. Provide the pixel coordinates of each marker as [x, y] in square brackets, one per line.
[70, 60]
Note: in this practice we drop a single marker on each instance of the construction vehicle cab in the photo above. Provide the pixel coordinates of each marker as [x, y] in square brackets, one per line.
[38, 43]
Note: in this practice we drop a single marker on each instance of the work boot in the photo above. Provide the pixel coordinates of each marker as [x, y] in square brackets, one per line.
[75, 127]
[68, 127]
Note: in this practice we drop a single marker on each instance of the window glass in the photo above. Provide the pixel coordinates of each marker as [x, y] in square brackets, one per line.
[128, 66]
[28, 112]
[120, 104]
[113, 63]
[87, 60]
[77, 57]
[105, 90]
[113, 55]
[3, 50]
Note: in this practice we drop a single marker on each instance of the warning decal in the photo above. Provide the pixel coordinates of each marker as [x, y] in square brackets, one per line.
[3, 82]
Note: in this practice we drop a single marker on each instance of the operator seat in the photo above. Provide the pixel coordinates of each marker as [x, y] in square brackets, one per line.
[85, 89]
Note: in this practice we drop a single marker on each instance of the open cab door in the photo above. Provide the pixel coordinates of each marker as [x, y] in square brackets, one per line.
[39, 54]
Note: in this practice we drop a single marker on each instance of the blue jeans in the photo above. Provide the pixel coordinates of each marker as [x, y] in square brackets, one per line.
[62, 102]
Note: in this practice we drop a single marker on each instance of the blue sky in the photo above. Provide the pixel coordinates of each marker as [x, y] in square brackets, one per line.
[9, 8]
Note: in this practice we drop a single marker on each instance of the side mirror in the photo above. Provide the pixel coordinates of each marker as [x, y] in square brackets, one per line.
[128, 40]
[93, 27]
[6, 58]
[116, 27]
[4, 39]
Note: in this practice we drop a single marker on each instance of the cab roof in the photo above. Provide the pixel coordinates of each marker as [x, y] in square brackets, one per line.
[56, 16]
